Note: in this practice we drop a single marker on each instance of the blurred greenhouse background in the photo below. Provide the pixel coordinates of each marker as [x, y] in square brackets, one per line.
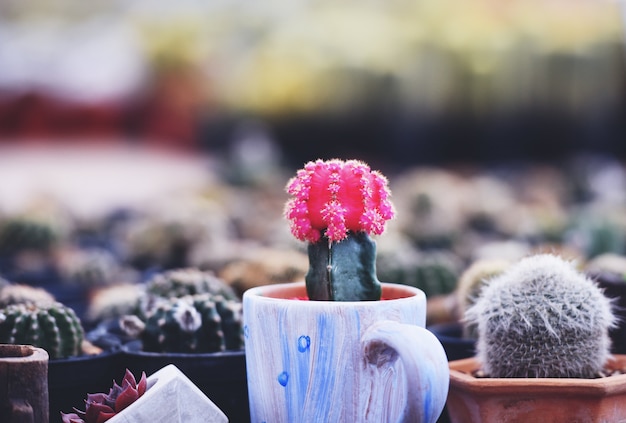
[405, 82]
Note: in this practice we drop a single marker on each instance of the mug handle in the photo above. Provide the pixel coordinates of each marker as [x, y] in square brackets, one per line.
[425, 364]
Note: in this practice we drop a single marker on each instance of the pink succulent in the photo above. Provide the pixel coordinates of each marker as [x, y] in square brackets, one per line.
[101, 407]
[335, 197]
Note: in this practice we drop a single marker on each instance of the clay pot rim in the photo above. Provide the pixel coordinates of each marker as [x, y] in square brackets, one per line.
[461, 378]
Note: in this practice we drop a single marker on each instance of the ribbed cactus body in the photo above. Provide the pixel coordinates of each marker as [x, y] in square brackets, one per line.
[542, 318]
[19, 234]
[53, 327]
[188, 281]
[194, 324]
[343, 270]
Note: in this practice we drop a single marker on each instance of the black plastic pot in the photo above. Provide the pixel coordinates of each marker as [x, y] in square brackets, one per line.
[71, 379]
[220, 376]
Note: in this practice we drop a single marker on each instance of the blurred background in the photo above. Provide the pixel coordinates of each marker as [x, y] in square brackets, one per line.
[161, 134]
[400, 82]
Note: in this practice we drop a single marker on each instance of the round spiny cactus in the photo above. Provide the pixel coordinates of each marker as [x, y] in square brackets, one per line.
[24, 233]
[23, 294]
[53, 327]
[201, 323]
[542, 318]
[188, 281]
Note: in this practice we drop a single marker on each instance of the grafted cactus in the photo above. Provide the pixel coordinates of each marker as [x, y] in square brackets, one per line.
[542, 318]
[52, 326]
[191, 324]
[188, 281]
[335, 206]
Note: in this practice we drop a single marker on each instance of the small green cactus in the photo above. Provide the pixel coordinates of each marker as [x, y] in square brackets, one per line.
[25, 233]
[542, 318]
[188, 281]
[435, 272]
[53, 327]
[200, 323]
[23, 294]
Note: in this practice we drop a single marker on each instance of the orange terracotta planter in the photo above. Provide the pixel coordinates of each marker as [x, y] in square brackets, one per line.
[546, 400]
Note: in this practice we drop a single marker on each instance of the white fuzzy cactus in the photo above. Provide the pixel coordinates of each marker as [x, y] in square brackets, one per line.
[542, 318]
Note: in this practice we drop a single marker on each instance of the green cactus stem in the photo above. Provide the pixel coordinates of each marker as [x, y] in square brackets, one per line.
[343, 270]
[53, 327]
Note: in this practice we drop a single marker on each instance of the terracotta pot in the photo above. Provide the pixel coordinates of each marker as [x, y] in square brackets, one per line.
[545, 400]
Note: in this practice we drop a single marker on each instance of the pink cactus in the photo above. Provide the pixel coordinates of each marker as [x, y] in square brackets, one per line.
[335, 197]
[101, 407]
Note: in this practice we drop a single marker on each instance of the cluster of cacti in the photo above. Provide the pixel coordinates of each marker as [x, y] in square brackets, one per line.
[187, 281]
[435, 272]
[24, 233]
[335, 206]
[199, 323]
[542, 318]
[471, 282]
[23, 294]
[101, 407]
[51, 326]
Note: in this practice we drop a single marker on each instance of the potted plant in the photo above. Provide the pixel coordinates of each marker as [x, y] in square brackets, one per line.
[167, 396]
[30, 316]
[543, 350]
[192, 319]
[329, 348]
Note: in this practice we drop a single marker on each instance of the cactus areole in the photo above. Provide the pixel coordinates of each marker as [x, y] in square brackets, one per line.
[335, 206]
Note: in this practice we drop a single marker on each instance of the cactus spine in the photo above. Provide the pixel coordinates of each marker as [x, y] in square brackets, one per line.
[542, 318]
[194, 324]
[53, 327]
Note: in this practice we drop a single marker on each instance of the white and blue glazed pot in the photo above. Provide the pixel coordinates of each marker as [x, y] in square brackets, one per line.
[366, 361]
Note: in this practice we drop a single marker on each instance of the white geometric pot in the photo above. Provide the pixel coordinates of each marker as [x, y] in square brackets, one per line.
[171, 398]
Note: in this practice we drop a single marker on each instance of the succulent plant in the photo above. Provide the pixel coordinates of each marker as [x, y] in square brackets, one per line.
[52, 326]
[89, 267]
[101, 407]
[25, 233]
[335, 206]
[471, 282]
[188, 281]
[542, 318]
[433, 271]
[192, 324]
[21, 294]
